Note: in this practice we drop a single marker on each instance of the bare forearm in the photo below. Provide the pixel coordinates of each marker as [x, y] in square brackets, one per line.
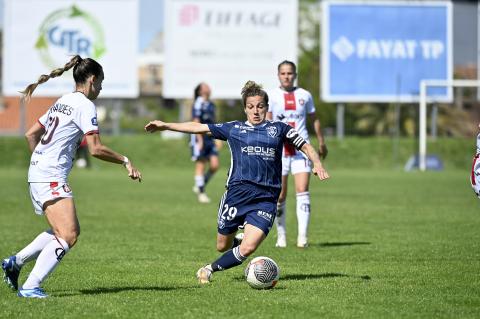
[317, 127]
[32, 142]
[104, 153]
[188, 127]
[312, 155]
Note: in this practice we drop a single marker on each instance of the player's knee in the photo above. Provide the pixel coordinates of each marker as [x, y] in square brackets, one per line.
[222, 247]
[247, 249]
[70, 236]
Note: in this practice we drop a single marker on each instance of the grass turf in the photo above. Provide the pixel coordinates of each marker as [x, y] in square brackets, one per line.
[383, 244]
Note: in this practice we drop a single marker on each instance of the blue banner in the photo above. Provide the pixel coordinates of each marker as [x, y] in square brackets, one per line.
[379, 52]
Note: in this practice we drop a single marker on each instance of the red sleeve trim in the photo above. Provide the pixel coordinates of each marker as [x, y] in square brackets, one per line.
[92, 132]
[40, 123]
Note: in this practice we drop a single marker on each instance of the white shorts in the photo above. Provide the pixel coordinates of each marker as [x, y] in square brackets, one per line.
[475, 175]
[295, 164]
[40, 193]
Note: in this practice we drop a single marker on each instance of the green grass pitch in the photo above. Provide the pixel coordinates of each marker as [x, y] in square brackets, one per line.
[383, 244]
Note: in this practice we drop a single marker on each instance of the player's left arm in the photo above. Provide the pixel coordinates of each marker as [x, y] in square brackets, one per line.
[300, 144]
[312, 155]
[317, 127]
[34, 134]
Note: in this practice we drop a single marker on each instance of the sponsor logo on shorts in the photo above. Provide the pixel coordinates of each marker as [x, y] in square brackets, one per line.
[265, 215]
[221, 223]
[94, 121]
[219, 125]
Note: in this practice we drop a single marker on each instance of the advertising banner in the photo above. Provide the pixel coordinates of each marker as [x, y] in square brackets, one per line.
[380, 51]
[40, 36]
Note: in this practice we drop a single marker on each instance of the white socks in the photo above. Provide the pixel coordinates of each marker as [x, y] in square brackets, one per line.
[280, 220]
[199, 181]
[46, 262]
[32, 250]
[303, 213]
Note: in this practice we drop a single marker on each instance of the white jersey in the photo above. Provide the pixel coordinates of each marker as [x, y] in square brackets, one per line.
[291, 108]
[65, 123]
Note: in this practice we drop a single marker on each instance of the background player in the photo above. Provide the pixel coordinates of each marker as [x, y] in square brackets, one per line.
[203, 146]
[53, 141]
[254, 179]
[292, 105]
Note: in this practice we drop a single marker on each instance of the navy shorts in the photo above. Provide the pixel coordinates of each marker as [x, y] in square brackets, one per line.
[209, 149]
[247, 204]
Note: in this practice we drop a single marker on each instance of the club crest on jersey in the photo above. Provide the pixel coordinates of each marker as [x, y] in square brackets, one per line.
[94, 121]
[272, 131]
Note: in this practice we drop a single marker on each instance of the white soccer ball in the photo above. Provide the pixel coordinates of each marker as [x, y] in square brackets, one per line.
[262, 273]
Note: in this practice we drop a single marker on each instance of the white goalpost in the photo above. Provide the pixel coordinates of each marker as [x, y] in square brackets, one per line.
[424, 84]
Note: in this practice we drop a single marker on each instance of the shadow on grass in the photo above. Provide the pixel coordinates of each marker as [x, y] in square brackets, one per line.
[315, 276]
[113, 290]
[321, 276]
[350, 243]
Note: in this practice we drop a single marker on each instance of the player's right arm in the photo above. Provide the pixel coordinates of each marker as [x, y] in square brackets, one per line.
[100, 151]
[34, 134]
[186, 127]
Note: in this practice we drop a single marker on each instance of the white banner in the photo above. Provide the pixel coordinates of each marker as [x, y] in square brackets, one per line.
[226, 43]
[40, 36]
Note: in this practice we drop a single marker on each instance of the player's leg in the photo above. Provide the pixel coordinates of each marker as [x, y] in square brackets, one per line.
[200, 164]
[303, 207]
[61, 216]
[12, 265]
[252, 238]
[282, 206]
[214, 163]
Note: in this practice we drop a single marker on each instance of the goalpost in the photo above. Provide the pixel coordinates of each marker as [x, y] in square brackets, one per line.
[424, 84]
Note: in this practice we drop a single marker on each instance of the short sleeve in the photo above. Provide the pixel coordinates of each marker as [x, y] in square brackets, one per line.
[221, 131]
[43, 119]
[310, 106]
[86, 119]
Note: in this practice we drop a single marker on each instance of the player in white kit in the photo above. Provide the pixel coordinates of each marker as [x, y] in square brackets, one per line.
[53, 141]
[475, 173]
[292, 105]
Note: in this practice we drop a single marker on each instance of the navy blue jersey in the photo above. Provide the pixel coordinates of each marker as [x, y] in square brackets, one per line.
[203, 111]
[256, 150]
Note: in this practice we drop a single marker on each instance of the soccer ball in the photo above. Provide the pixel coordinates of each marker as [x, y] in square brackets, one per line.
[262, 273]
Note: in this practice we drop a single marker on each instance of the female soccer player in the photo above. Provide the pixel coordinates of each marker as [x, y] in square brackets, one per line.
[292, 105]
[254, 179]
[53, 141]
[203, 146]
[475, 173]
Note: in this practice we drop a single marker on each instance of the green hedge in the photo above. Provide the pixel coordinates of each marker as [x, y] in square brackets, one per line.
[351, 152]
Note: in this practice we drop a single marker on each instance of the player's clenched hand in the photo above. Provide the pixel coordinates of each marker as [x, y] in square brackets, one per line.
[154, 126]
[133, 172]
[320, 172]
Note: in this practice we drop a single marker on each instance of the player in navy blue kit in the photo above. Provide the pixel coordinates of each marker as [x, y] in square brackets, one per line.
[254, 179]
[203, 146]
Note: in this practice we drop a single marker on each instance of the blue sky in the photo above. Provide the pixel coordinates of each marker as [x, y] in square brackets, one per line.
[150, 20]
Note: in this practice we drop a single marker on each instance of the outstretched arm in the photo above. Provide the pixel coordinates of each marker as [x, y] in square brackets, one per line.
[317, 165]
[186, 127]
[100, 151]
